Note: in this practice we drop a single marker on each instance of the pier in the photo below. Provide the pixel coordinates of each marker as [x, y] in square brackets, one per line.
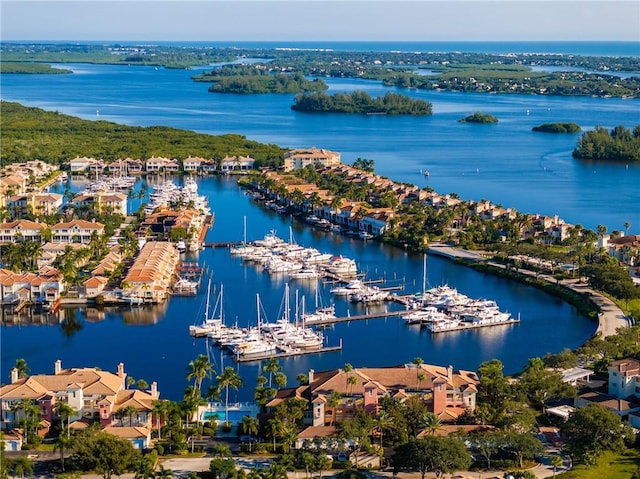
[286, 354]
[464, 326]
[358, 317]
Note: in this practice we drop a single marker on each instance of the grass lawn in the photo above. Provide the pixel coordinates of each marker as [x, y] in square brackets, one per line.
[610, 465]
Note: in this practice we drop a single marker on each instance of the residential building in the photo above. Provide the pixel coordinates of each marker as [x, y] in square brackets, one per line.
[157, 164]
[445, 392]
[21, 230]
[50, 251]
[150, 277]
[95, 396]
[193, 164]
[37, 203]
[45, 286]
[300, 158]
[76, 231]
[103, 202]
[82, 165]
[236, 163]
[94, 286]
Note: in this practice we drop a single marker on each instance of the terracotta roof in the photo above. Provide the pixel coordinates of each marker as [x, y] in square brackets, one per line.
[127, 432]
[317, 431]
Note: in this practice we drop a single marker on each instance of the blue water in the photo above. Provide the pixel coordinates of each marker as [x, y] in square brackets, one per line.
[154, 343]
[505, 162]
[587, 48]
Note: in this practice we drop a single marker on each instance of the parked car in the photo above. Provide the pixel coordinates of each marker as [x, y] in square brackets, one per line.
[248, 439]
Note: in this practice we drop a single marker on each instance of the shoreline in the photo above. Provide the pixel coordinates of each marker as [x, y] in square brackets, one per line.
[610, 317]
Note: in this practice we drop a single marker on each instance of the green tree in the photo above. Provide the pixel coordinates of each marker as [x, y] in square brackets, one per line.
[198, 370]
[22, 367]
[228, 379]
[106, 454]
[593, 429]
[493, 392]
[523, 446]
[272, 367]
[21, 466]
[440, 455]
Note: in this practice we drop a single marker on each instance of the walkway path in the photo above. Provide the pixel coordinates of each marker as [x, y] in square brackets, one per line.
[610, 318]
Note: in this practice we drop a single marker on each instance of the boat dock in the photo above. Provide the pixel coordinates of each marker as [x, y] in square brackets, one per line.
[358, 317]
[286, 354]
[464, 326]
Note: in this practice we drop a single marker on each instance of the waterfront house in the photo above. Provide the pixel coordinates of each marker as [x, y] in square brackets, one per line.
[300, 158]
[209, 167]
[193, 164]
[236, 163]
[157, 164]
[151, 275]
[11, 440]
[377, 222]
[94, 286]
[84, 164]
[45, 286]
[102, 202]
[117, 167]
[76, 231]
[95, 395]
[445, 392]
[21, 230]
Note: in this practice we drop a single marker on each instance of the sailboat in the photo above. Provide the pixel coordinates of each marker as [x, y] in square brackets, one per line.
[210, 326]
[322, 313]
[244, 247]
[255, 343]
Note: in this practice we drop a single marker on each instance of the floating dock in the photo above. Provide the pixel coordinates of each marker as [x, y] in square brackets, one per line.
[286, 354]
[464, 326]
[358, 317]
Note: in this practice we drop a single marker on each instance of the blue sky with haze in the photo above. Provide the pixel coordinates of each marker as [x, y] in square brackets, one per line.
[332, 20]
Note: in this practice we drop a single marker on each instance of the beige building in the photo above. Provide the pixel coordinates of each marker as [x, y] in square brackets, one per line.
[92, 393]
[103, 202]
[299, 158]
[76, 231]
[151, 275]
[37, 203]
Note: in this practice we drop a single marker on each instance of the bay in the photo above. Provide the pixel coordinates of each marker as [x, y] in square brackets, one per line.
[154, 343]
[505, 163]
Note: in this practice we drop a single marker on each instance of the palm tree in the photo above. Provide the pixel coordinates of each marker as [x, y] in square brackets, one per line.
[199, 369]
[228, 379]
[430, 422]
[62, 444]
[21, 466]
[162, 473]
[280, 379]
[275, 427]
[418, 361]
[64, 411]
[556, 462]
[272, 367]
[129, 411]
[23, 369]
[250, 427]
[333, 402]
[160, 410]
[383, 421]
[627, 225]
[302, 379]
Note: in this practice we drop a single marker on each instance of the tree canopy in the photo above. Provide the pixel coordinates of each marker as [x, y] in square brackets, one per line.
[361, 102]
[620, 144]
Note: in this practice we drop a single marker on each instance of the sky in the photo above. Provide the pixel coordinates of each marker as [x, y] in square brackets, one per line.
[328, 20]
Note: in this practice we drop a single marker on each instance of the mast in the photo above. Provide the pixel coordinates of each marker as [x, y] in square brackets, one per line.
[244, 230]
[221, 292]
[258, 310]
[424, 273]
[206, 308]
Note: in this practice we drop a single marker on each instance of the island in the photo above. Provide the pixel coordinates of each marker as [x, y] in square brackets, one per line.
[361, 102]
[620, 145]
[453, 71]
[252, 79]
[558, 128]
[30, 68]
[478, 117]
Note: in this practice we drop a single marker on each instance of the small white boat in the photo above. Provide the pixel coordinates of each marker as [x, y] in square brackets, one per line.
[181, 246]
